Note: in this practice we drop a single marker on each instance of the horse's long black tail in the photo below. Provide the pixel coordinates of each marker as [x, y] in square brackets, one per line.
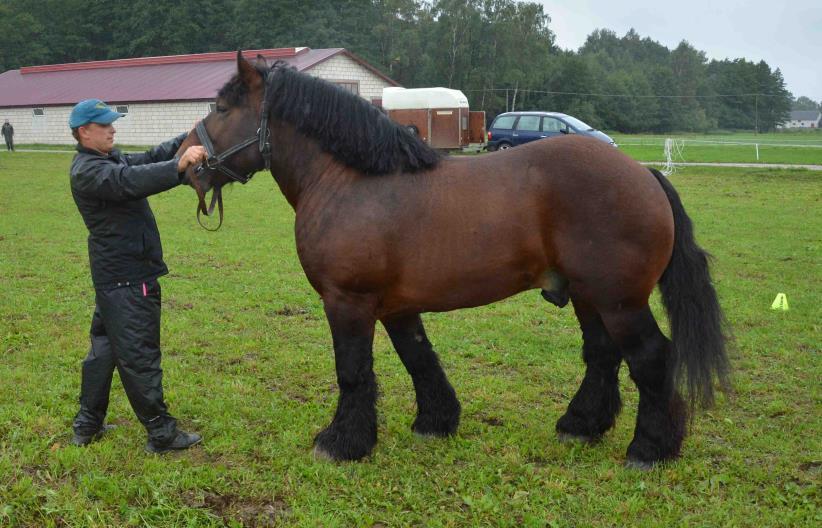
[698, 328]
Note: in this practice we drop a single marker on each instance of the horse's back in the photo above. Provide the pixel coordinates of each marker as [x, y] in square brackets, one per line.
[573, 204]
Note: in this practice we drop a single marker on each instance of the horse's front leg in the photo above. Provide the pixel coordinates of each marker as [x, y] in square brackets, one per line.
[352, 433]
[438, 410]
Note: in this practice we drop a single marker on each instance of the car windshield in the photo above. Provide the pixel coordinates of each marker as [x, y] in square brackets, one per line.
[576, 123]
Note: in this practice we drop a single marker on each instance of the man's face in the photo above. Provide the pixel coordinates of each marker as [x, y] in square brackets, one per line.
[97, 137]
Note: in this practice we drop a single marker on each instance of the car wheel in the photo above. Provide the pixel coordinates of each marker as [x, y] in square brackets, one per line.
[504, 146]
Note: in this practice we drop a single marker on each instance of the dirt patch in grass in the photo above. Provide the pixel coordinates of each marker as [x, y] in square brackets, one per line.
[491, 420]
[171, 304]
[250, 511]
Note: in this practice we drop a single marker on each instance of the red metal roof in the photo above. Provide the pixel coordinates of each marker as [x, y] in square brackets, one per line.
[195, 77]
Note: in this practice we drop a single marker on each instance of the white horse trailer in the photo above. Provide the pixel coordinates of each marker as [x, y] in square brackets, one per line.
[439, 116]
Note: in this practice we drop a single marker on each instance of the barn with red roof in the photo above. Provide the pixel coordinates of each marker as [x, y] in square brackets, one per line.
[161, 96]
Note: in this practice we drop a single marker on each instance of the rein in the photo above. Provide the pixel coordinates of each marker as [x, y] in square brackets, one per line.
[216, 161]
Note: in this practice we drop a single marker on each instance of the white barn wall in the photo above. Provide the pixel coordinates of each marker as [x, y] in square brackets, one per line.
[50, 128]
[800, 124]
[145, 124]
[343, 68]
[152, 123]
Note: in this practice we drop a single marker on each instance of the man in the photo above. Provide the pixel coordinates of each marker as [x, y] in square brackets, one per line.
[126, 258]
[8, 134]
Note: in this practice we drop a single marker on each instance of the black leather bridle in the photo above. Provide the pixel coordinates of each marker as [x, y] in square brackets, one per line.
[216, 161]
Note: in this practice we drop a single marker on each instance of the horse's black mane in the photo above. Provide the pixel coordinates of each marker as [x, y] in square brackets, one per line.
[351, 129]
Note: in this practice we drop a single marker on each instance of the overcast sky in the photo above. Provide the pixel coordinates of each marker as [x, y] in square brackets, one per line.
[785, 34]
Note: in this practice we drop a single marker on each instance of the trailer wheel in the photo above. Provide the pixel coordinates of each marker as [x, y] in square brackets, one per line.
[413, 129]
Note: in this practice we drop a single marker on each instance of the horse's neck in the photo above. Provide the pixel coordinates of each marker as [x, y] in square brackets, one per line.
[298, 164]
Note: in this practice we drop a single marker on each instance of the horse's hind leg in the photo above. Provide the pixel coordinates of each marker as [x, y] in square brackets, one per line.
[438, 410]
[660, 424]
[353, 431]
[596, 404]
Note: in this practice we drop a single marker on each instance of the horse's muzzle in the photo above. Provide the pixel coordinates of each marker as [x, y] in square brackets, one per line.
[197, 179]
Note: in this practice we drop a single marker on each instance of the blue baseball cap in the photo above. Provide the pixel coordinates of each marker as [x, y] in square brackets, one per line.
[92, 111]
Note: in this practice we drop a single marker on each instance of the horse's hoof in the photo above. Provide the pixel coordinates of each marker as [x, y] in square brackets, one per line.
[330, 444]
[323, 455]
[431, 435]
[428, 427]
[567, 438]
[641, 465]
[426, 432]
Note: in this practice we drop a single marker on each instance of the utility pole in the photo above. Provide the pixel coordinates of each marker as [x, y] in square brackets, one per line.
[756, 113]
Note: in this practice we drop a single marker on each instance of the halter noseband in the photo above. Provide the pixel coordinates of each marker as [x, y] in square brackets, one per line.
[216, 161]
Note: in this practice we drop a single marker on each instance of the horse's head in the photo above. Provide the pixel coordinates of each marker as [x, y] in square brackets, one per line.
[235, 134]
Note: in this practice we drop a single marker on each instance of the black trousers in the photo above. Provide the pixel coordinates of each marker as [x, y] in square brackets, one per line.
[9, 143]
[125, 334]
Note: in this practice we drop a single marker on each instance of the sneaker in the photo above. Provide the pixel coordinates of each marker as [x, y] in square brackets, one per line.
[183, 440]
[81, 440]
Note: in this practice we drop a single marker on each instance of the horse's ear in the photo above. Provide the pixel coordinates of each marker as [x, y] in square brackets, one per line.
[247, 73]
[261, 62]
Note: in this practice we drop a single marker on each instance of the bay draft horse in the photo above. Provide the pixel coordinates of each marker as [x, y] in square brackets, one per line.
[386, 229]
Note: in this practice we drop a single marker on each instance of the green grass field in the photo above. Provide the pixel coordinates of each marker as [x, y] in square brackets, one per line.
[248, 363]
[800, 147]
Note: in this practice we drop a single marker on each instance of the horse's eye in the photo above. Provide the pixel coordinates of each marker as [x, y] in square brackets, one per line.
[221, 109]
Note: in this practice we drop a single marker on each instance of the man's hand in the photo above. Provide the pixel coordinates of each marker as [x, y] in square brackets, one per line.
[192, 156]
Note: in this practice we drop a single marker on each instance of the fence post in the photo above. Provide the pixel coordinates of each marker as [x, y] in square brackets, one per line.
[757, 151]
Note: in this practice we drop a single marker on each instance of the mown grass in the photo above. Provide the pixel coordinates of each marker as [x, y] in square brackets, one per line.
[794, 136]
[739, 147]
[727, 154]
[248, 363]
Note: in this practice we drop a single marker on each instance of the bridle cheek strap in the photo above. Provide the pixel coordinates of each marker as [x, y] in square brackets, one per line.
[215, 162]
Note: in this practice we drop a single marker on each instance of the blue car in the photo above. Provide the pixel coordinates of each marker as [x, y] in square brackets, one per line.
[516, 128]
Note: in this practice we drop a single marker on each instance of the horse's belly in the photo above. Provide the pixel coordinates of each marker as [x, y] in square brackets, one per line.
[442, 291]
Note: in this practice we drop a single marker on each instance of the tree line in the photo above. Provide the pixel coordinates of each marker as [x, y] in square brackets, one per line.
[501, 53]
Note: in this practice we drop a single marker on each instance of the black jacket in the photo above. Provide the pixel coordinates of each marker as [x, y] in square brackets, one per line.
[7, 130]
[110, 192]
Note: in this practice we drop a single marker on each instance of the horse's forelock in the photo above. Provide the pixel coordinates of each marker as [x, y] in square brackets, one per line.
[234, 92]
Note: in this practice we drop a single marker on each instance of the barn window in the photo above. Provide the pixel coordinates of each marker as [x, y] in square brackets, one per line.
[351, 86]
[123, 109]
[39, 112]
[212, 107]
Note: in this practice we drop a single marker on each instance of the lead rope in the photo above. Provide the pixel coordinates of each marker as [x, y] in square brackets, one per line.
[216, 197]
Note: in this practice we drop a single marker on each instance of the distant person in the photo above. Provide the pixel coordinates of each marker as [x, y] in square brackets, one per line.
[126, 258]
[8, 134]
